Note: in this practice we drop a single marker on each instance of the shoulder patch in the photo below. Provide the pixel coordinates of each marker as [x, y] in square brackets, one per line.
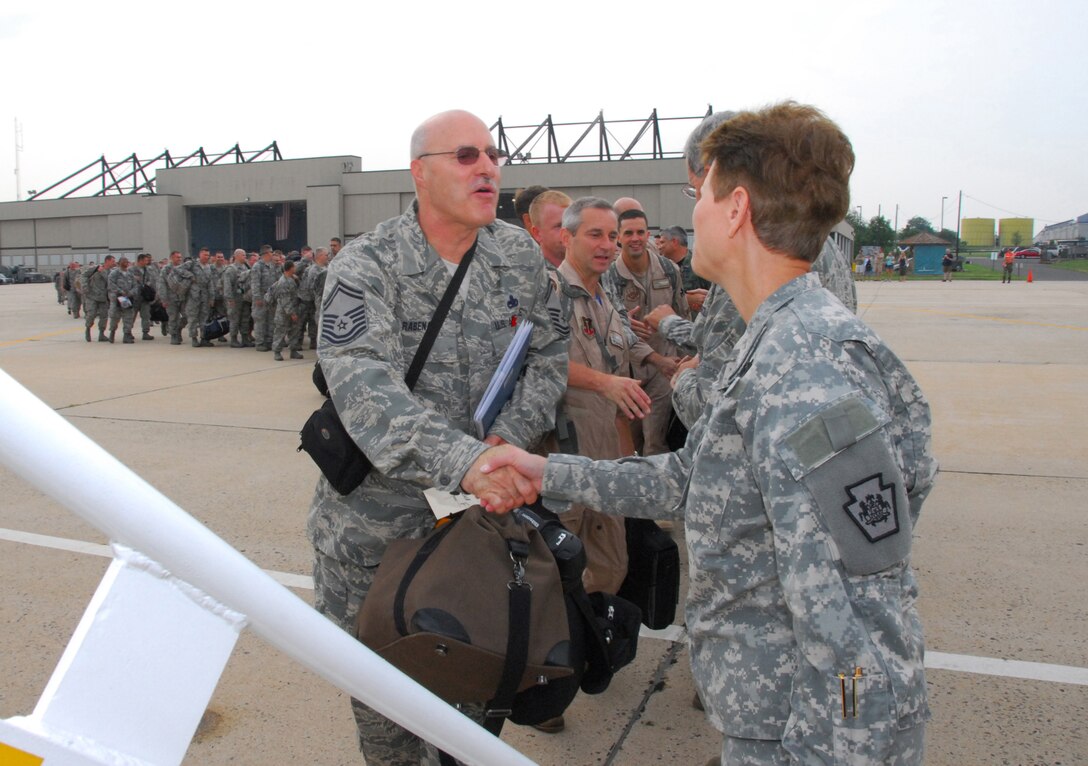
[873, 507]
[343, 317]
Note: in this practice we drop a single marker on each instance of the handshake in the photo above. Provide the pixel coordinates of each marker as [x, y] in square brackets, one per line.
[505, 477]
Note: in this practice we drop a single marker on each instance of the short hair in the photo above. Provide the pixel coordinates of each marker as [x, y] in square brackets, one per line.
[693, 152]
[796, 165]
[238, 251]
[572, 216]
[634, 213]
[321, 250]
[288, 265]
[175, 252]
[337, 240]
[205, 249]
[266, 249]
[524, 198]
[547, 197]
[676, 234]
[141, 256]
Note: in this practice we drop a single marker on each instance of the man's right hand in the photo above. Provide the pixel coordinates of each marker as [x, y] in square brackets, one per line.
[653, 319]
[628, 395]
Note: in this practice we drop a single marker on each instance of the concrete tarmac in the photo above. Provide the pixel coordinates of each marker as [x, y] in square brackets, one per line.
[1000, 548]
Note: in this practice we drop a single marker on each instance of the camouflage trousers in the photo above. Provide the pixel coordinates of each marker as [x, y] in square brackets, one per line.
[241, 320]
[99, 310]
[175, 318]
[339, 590]
[286, 332]
[126, 317]
[143, 308]
[75, 301]
[198, 310]
[262, 324]
[307, 321]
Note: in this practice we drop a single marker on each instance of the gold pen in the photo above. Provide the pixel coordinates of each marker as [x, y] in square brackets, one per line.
[842, 683]
[857, 675]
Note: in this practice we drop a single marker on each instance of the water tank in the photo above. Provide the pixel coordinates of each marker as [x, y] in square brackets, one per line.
[977, 232]
[1016, 231]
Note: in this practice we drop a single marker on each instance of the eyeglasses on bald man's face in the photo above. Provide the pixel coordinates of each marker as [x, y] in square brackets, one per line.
[470, 155]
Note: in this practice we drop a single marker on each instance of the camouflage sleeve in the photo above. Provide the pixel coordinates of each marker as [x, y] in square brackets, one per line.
[530, 413]
[112, 289]
[808, 453]
[679, 299]
[640, 487]
[227, 283]
[688, 398]
[677, 330]
[834, 270]
[364, 362]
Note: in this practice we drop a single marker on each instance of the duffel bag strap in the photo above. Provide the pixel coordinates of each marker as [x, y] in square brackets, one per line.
[418, 561]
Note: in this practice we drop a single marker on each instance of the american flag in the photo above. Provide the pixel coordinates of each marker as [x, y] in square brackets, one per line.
[283, 222]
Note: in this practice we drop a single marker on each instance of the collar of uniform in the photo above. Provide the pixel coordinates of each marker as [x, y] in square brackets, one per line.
[656, 270]
[417, 255]
[780, 297]
[572, 283]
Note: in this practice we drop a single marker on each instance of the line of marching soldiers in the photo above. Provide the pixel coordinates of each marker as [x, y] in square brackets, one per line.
[264, 300]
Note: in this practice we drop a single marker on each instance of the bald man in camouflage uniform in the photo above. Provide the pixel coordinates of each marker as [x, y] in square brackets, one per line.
[261, 278]
[96, 297]
[382, 292]
[122, 283]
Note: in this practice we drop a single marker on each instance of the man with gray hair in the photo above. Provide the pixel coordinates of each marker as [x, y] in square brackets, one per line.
[381, 296]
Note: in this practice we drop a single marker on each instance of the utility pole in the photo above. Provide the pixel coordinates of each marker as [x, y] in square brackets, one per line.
[18, 151]
[896, 227]
[942, 212]
[959, 217]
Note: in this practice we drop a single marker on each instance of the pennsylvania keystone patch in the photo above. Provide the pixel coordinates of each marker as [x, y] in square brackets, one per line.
[873, 507]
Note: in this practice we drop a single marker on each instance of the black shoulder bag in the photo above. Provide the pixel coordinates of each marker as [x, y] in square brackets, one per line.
[324, 437]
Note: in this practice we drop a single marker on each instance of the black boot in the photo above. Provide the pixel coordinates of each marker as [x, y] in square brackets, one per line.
[87, 334]
[148, 336]
[102, 337]
[128, 338]
[113, 333]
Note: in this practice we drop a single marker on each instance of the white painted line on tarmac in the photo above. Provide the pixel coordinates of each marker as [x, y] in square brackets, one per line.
[992, 666]
[963, 663]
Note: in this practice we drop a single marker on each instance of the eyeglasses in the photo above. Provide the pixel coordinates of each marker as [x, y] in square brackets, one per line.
[689, 191]
[470, 155]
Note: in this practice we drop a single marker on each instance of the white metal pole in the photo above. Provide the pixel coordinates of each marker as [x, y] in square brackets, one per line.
[107, 494]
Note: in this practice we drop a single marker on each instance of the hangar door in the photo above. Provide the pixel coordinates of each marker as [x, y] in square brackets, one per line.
[248, 226]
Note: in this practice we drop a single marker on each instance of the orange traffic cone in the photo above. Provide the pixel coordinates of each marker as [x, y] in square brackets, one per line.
[1030, 280]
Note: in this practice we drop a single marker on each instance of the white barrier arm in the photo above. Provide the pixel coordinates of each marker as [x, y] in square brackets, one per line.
[107, 494]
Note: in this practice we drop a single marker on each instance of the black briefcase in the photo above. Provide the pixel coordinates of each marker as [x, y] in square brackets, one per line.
[216, 327]
[653, 573]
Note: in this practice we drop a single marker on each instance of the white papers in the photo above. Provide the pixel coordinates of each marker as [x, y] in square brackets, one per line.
[503, 382]
[444, 504]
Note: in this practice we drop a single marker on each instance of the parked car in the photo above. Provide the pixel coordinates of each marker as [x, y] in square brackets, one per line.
[4, 279]
[24, 274]
[1028, 252]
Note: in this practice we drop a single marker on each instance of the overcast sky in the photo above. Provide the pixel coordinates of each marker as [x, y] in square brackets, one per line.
[990, 98]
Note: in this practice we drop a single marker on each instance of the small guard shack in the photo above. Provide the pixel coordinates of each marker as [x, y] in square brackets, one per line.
[928, 251]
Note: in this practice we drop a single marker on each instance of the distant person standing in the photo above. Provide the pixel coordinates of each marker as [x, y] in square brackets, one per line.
[901, 266]
[946, 266]
[1006, 272]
